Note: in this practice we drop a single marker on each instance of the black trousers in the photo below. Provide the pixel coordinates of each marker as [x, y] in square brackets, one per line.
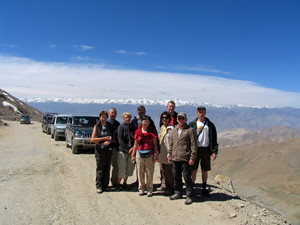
[103, 161]
[167, 179]
[179, 169]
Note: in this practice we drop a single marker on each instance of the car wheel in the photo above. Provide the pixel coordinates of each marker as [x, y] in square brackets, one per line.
[52, 136]
[55, 137]
[74, 148]
[67, 145]
[48, 131]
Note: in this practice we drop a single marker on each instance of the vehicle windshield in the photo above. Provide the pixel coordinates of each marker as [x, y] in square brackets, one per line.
[61, 120]
[24, 116]
[49, 119]
[83, 121]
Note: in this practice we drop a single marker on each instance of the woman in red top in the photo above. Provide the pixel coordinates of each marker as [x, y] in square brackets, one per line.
[145, 148]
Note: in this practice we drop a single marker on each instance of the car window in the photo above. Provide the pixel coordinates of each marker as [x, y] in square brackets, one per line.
[61, 120]
[49, 119]
[85, 121]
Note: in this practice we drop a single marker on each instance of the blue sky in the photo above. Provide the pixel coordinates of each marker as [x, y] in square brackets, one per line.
[220, 52]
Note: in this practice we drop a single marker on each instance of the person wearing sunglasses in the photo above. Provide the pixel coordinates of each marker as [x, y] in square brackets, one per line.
[182, 154]
[167, 180]
[171, 109]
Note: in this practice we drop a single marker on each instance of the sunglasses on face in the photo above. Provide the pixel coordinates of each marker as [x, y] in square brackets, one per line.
[164, 117]
[181, 118]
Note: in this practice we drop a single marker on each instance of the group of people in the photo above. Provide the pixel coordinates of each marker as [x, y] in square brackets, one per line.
[179, 147]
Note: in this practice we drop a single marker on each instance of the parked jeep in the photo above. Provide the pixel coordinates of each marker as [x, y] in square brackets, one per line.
[79, 131]
[25, 119]
[46, 128]
[58, 126]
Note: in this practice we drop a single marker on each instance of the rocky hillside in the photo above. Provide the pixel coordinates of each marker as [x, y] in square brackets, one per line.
[263, 167]
[238, 137]
[11, 108]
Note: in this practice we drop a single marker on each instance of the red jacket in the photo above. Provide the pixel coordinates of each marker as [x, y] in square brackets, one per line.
[145, 140]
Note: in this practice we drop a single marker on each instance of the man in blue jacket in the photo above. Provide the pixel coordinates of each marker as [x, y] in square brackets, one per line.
[207, 146]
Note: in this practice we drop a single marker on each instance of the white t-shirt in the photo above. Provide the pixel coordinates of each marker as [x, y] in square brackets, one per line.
[203, 138]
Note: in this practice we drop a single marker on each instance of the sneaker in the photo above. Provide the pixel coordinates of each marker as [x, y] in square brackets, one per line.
[141, 192]
[99, 190]
[205, 193]
[149, 194]
[188, 201]
[175, 196]
[118, 187]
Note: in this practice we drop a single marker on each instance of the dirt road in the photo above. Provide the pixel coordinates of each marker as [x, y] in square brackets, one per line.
[42, 182]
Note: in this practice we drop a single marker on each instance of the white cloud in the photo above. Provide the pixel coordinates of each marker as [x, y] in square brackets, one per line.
[51, 45]
[24, 77]
[83, 47]
[130, 53]
[196, 68]
[86, 47]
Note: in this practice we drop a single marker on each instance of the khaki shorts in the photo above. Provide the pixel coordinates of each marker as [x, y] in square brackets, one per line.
[203, 156]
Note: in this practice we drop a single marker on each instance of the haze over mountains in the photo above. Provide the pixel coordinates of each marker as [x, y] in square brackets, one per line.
[224, 116]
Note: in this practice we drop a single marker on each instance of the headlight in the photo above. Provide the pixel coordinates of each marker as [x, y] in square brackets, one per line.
[78, 135]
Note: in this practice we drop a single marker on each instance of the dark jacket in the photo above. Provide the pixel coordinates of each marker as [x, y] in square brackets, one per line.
[213, 144]
[125, 134]
[110, 132]
[175, 120]
[115, 125]
[184, 148]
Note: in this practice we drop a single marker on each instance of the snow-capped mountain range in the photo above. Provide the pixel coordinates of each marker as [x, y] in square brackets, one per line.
[224, 116]
[129, 101]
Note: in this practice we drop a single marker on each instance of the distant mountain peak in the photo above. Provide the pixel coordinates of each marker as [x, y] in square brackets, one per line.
[130, 101]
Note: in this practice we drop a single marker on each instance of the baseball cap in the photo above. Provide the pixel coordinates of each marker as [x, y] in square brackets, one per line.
[181, 114]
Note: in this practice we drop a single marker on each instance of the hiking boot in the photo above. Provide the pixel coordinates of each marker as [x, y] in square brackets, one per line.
[175, 196]
[168, 193]
[124, 186]
[205, 193]
[99, 190]
[141, 192]
[188, 201]
[136, 183]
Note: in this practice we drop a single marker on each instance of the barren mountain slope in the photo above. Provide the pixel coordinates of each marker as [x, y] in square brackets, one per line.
[266, 172]
[239, 137]
[11, 108]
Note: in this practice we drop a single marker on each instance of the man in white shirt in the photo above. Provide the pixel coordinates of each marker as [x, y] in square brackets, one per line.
[207, 146]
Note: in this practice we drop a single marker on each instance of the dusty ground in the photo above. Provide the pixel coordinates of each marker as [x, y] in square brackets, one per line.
[42, 182]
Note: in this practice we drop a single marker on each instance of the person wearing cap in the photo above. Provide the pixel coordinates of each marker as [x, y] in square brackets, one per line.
[207, 146]
[182, 154]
